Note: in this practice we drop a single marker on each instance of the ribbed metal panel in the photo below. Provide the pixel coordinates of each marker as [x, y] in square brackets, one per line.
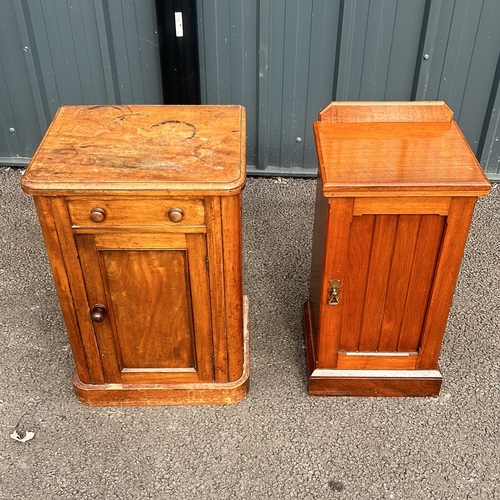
[313, 51]
[71, 52]
[283, 60]
[228, 58]
[132, 43]
[379, 44]
[275, 58]
[462, 41]
[297, 41]
[284, 36]
[22, 116]
[490, 157]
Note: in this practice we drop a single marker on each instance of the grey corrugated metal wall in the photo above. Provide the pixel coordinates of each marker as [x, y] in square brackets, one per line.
[283, 59]
[294, 56]
[55, 52]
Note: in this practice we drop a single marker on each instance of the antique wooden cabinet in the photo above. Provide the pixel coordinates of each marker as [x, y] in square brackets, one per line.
[396, 193]
[140, 209]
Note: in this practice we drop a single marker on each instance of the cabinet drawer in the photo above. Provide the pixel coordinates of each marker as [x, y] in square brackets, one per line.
[170, 212]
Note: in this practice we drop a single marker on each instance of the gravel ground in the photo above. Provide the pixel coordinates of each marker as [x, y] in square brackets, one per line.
[278, 443]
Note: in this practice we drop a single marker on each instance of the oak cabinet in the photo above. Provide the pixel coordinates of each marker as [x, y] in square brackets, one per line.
[396, 194]
[140, 208]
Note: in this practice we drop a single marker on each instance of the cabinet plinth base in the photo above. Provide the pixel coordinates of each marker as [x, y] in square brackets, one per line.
[363, 385]
[211, 393]
[367, 383]
[161, 394]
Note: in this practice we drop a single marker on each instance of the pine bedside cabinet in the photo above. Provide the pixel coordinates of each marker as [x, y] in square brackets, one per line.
[140, 209]
[396, 193]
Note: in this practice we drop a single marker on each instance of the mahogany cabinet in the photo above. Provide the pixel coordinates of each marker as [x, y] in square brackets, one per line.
[395, 197]
[140, 209]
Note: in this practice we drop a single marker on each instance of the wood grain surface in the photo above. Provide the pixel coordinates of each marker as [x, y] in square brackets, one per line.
[401, 184]
[161, 261]
[175, 149]
[402, 149]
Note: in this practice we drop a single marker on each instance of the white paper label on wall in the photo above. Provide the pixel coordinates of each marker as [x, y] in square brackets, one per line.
[179, 32]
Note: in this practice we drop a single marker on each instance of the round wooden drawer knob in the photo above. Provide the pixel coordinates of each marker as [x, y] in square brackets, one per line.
[175, 214]
[97, 214]
[98, 313]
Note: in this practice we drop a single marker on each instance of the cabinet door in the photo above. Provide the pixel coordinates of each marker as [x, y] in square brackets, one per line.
[386, 267]
[395, 262]
[391, 260]
[154, 288]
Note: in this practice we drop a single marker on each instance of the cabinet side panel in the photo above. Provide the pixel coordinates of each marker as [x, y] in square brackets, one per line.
[217, 293]
[317, 264]
[49, 232]
[233, 282]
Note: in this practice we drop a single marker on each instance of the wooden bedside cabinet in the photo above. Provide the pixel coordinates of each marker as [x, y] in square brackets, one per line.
[395, 197]
[140, 209]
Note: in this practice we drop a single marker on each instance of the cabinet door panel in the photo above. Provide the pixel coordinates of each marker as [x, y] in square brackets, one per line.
[389, 276]
[149, 294]
[421, 280]
[354, 289]
[335, 262]
[397, 290]
[155, 289]
[384, 235]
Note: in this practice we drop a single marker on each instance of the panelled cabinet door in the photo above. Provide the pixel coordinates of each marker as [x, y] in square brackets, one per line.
[385, 288]
[149, 304]
[388, 275]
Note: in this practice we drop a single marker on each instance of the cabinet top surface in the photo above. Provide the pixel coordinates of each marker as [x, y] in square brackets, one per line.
[387, 150]
[140, 148]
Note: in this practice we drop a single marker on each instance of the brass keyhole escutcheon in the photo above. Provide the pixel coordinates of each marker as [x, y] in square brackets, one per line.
[98, 313]
[97, 214]
[333, 292]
